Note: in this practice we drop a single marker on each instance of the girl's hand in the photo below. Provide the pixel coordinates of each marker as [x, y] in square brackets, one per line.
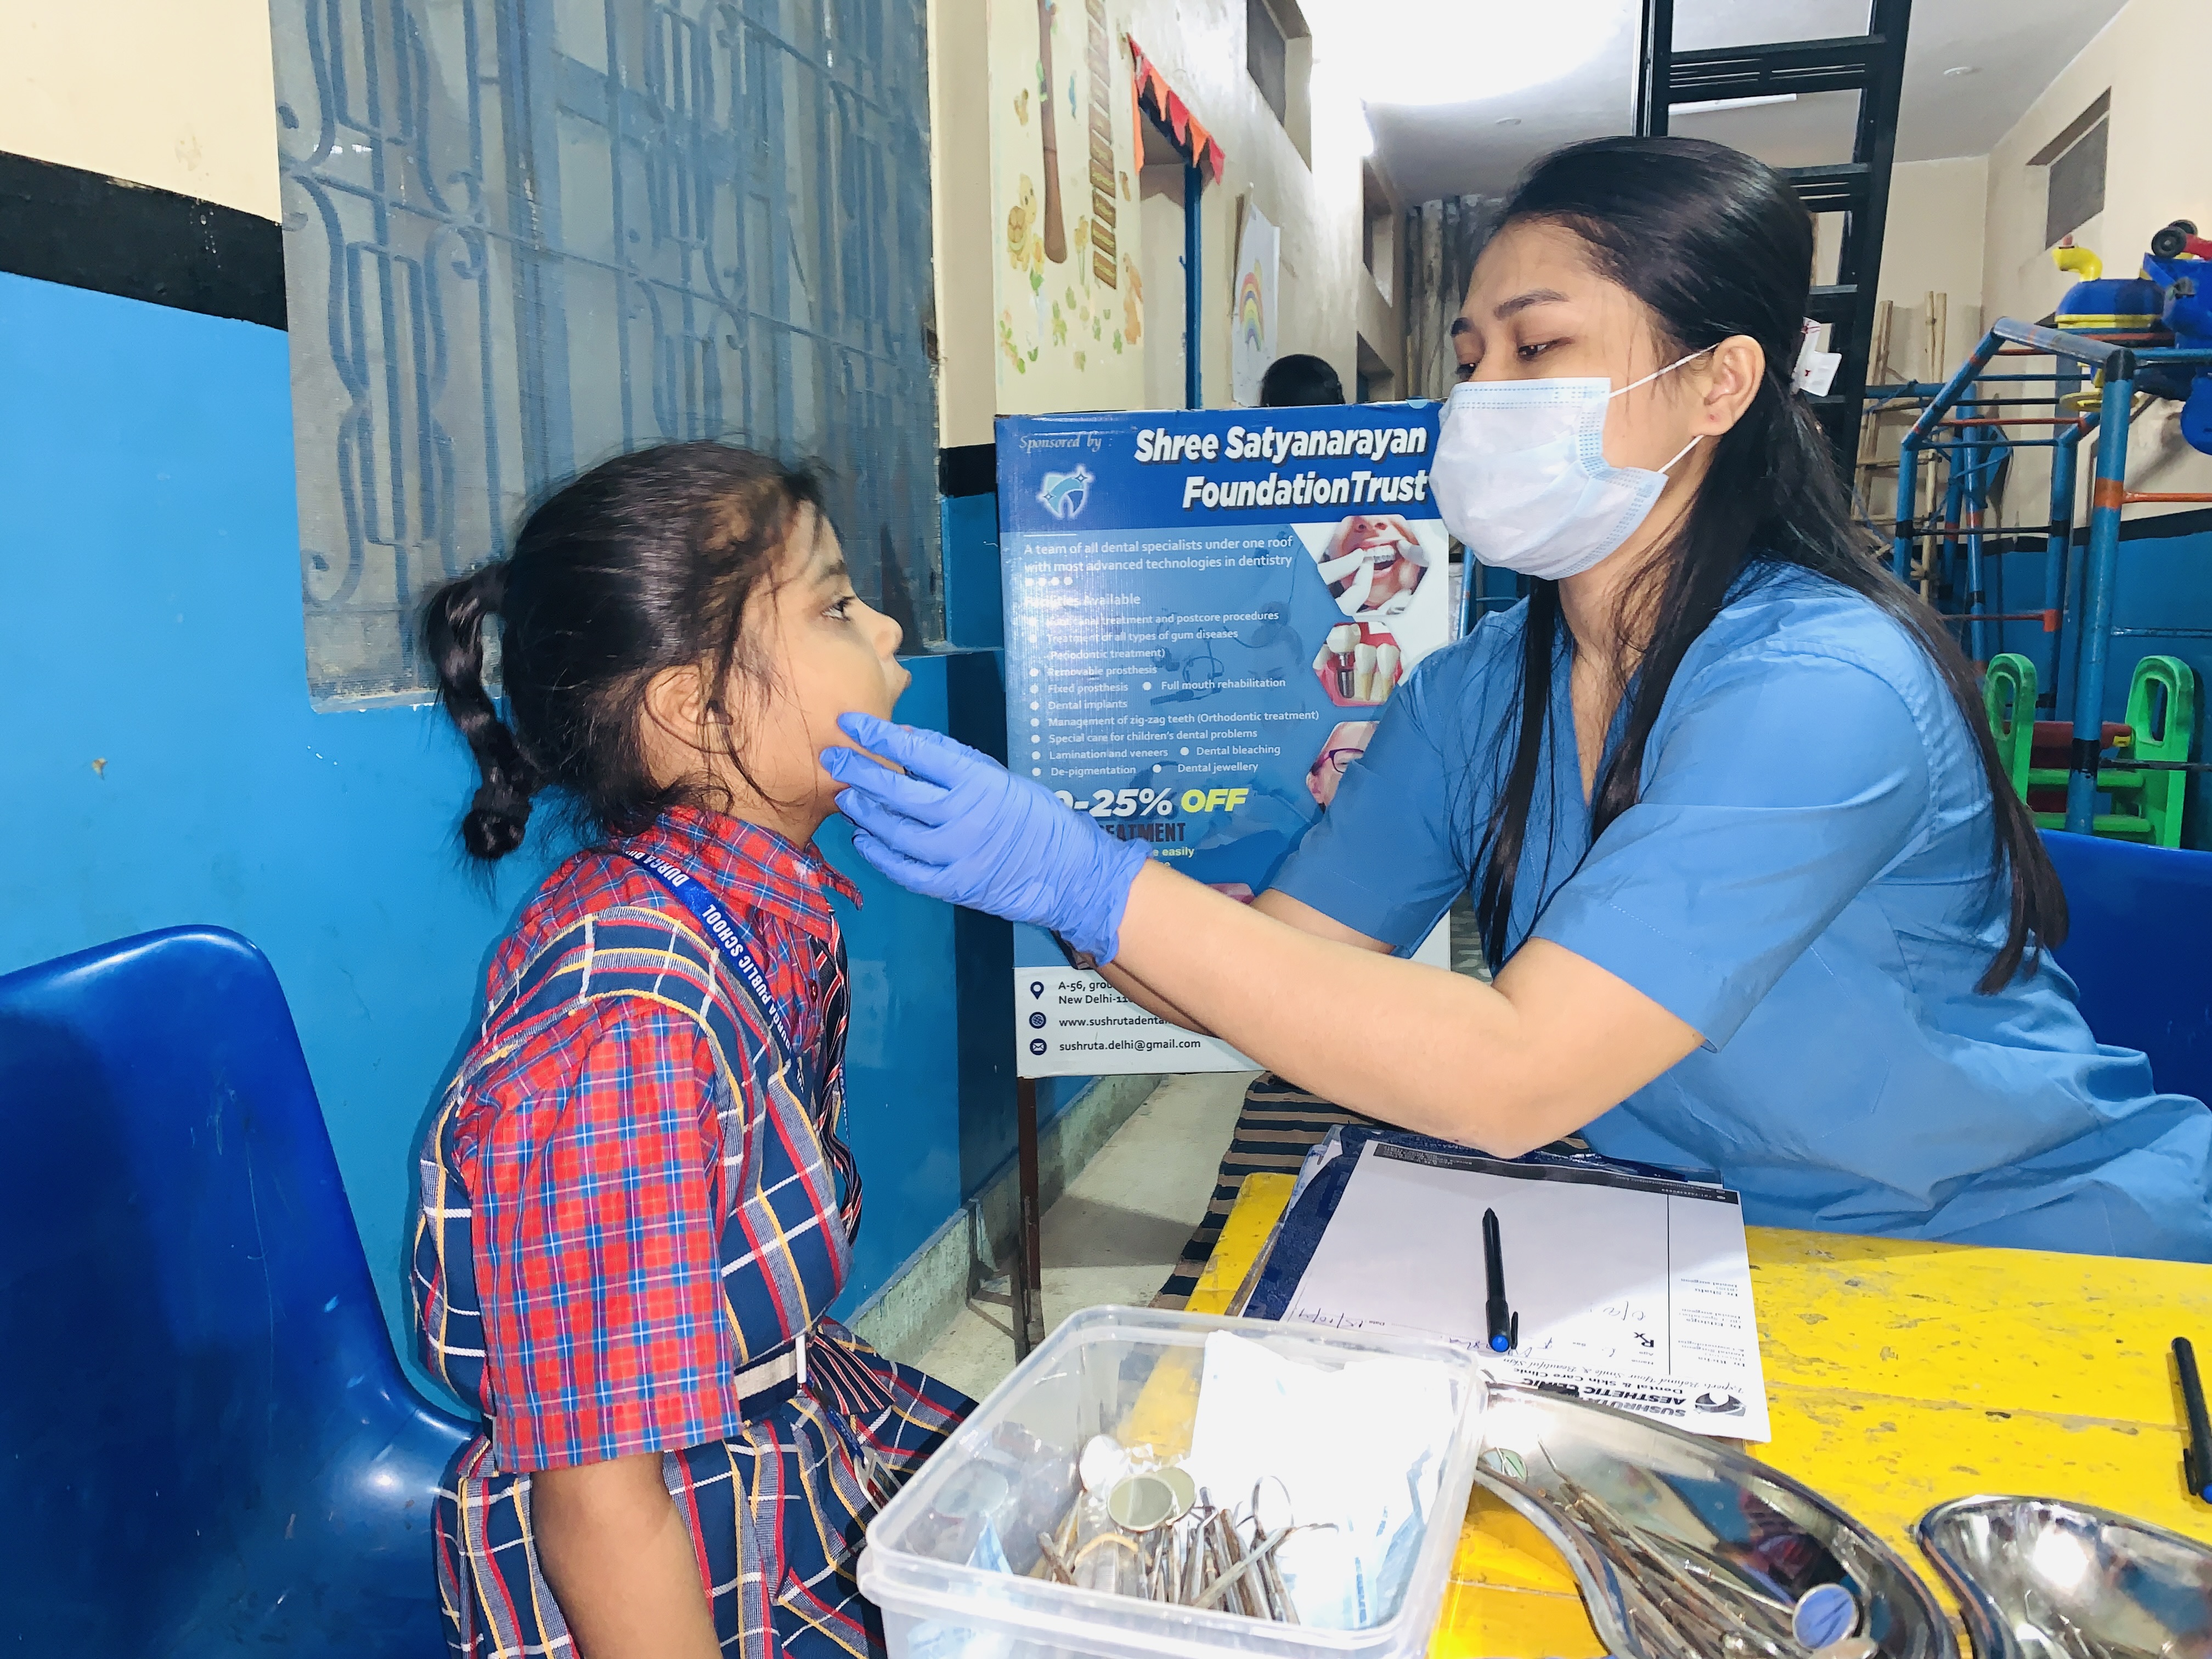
[956, 825]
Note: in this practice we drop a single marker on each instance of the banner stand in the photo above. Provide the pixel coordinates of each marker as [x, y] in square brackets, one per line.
[1026, 1279]
[1206, 613]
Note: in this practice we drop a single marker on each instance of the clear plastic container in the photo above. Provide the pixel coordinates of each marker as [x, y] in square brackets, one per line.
[1133, 1373]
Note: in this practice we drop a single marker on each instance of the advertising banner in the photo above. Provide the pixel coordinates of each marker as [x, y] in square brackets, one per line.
[1207, 611]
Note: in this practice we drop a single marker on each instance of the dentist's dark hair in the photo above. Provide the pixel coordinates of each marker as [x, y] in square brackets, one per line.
[1716, 243]
[645, 562]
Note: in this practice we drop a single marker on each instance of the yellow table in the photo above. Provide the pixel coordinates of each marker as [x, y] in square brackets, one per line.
[1899, 1374]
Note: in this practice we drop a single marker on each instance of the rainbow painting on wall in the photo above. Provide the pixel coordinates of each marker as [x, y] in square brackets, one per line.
[1251, 311]
[1251, 322]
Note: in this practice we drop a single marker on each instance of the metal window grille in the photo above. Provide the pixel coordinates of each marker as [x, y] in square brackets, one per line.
[2076, 185]
[524, 235]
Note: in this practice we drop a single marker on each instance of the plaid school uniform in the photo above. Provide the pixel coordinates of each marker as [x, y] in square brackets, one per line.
[634, 1213]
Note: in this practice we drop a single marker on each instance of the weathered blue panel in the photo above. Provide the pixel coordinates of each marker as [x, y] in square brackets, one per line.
[522, 235]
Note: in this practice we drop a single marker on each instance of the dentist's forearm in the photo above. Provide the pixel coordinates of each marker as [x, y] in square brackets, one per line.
[1283, 907]
[1556, 1042]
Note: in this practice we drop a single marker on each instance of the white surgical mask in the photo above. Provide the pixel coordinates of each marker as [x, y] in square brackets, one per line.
[1521, 475]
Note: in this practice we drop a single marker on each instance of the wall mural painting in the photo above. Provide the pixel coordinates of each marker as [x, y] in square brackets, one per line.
[1071, 307]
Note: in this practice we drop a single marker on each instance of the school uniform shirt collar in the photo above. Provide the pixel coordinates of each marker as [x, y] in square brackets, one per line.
[743, 864]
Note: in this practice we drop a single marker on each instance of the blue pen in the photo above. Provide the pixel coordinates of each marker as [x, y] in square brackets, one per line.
[1505, 1325]
[2197, 1457]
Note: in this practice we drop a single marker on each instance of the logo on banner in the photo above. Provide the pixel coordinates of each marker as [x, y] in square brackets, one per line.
[1064, 493]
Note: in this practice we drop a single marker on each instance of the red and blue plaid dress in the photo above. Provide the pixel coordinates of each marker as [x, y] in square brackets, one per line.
[633, 1215]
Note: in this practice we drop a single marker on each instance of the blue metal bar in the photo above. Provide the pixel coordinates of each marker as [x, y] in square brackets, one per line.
[1957, 386]
[1930, 388]
[1193, 285]
[1954, 503]
[2104, 559]
[1974, 495]
[2069, 347]
[2057, 549]
[2016, 443]
[1908, 496]
[1909, 389]
[2078, 348]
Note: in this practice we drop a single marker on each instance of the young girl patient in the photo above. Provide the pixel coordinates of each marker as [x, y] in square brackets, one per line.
[635, 1204]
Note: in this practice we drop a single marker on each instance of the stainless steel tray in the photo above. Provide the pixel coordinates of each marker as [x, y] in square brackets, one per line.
[2042, 1579]
[1636, 1508]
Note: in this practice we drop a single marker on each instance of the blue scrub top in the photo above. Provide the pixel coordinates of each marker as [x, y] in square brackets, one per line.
[1806, 881]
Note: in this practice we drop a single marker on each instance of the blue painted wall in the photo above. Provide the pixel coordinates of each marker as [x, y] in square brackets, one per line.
[150, 620]
[974, 595]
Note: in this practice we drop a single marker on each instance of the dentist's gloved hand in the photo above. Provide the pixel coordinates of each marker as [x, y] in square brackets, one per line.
[956, 825]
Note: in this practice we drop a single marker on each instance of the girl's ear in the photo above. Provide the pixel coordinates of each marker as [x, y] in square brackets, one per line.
[1734, 371]
[678, 706]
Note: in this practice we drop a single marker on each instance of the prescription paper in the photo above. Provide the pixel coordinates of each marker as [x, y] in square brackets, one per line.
[1632, 1293]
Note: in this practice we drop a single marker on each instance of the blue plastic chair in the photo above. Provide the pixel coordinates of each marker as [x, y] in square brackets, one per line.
[207, 1447]
[2140, 919]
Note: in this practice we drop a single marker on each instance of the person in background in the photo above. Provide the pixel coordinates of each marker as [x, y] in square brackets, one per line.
[635, 1204]
[1297, 381]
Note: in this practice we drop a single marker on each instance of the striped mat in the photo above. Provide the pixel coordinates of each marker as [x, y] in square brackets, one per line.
[1279, 1124]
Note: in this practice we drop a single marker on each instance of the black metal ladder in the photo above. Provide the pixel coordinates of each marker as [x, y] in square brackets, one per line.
[1871, 64]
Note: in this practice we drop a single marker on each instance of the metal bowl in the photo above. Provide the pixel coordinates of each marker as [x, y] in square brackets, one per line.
[2042, 1579]
[1686, 1550]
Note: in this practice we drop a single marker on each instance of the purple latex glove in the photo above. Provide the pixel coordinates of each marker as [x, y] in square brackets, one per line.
[956, 825]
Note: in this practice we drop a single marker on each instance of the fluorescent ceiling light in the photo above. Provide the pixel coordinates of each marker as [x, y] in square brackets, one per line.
[1427, 53]
[1714, 106]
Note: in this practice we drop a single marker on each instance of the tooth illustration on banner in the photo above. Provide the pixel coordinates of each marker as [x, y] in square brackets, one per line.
[1363, 673]
[1342, 639]
[1386, 671]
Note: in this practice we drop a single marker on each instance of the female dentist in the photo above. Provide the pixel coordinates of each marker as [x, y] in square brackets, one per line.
[1722, 790]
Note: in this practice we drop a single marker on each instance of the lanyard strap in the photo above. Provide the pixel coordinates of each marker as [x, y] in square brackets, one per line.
[701, 903]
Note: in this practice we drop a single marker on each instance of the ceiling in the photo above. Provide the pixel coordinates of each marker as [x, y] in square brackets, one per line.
[1461, 94]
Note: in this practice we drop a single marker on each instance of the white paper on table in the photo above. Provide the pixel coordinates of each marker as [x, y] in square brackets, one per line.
[1635, 1293]
[1359, 1447]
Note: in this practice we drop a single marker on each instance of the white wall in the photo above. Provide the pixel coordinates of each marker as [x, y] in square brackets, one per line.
[184, 100]
[1933, 244]
[1933, 237]
[960, 187]
[2152, 58]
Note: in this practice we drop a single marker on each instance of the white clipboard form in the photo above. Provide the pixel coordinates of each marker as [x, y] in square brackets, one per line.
[1633, 1292]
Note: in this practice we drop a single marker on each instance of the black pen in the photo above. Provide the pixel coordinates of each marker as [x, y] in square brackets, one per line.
[2196, 1457]
[1505, 1325]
